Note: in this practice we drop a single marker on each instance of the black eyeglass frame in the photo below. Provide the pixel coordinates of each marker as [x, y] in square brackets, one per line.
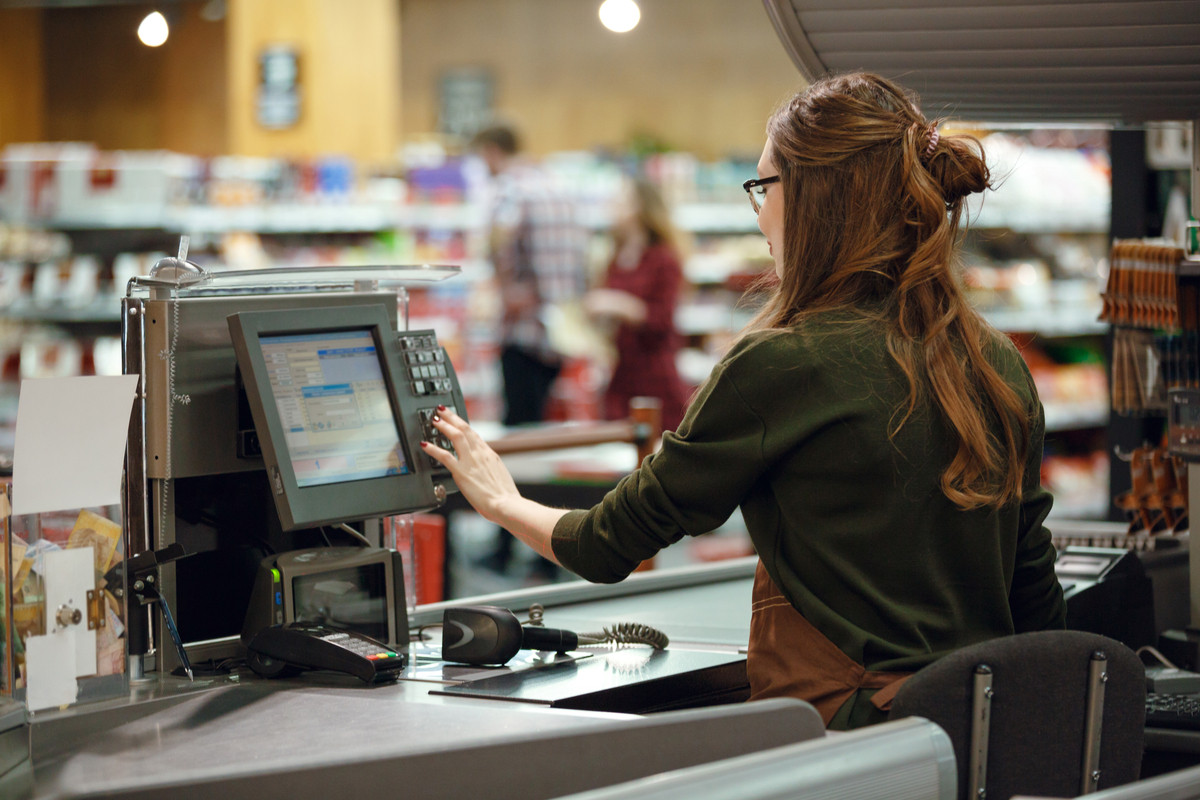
[755, 183]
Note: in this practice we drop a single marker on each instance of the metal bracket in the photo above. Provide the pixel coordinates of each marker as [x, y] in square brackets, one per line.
[95, 609]
[981, 721]
[1097, 678]
[141, 573]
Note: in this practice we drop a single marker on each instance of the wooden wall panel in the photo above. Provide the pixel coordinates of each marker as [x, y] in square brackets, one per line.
[106, 87]
[194, 86]
[22, 85]
[702, 75]
[350, 76]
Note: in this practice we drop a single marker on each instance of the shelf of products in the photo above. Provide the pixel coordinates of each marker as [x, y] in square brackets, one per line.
[1034, 264]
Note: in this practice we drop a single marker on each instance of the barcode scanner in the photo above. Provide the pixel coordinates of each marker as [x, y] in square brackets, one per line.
[491, 635]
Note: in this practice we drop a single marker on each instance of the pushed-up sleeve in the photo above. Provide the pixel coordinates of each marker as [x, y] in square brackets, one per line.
[692, 485]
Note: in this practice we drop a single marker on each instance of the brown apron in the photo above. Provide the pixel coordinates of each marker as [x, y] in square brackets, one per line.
[789, 657]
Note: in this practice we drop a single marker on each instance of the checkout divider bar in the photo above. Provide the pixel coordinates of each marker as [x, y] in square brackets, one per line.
[574, 592]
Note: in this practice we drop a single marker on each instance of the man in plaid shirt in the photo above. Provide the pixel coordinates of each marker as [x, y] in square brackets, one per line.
[539, 253]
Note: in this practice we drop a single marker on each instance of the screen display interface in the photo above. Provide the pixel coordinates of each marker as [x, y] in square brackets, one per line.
[353, 599]
[333, 405]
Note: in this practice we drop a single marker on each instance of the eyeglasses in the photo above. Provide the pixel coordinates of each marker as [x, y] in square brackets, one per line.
[757, 190]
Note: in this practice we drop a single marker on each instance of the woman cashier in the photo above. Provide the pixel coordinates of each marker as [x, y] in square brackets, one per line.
[882, 441]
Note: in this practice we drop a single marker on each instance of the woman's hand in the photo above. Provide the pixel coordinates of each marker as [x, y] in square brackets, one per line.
[615, 304]
[481, 476]
[489, 487]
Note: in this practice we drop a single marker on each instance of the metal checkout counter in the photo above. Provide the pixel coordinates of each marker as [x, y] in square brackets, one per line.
[441, 730]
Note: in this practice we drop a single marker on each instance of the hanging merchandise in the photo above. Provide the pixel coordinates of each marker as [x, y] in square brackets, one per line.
[1154, 330]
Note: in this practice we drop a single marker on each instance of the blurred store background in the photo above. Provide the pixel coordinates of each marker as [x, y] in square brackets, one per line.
[308, 132]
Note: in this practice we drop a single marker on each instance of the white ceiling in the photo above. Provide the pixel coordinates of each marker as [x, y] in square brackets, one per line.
[1010, 60]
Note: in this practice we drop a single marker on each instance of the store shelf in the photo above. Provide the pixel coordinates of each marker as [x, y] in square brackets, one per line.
[346, 217]
[1095, 508]
[986, 214]
[102, 309]
[716, 217]
[703, 319]
[1050, 321]
[352, 217]
[1076, 416]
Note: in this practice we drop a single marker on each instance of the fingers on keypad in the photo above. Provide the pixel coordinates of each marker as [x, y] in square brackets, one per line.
[433, 435]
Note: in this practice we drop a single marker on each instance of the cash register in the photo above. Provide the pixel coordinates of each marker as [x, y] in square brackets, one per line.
[340, 403]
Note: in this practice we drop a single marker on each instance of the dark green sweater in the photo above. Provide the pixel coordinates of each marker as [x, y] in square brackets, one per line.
[851, 525]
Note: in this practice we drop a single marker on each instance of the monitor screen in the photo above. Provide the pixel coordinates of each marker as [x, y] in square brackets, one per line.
[333, 402]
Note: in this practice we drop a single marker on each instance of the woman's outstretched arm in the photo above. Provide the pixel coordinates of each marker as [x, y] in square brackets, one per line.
[489, 487]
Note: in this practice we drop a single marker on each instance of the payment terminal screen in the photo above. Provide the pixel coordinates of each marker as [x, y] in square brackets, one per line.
[353, 599]
[333, 405]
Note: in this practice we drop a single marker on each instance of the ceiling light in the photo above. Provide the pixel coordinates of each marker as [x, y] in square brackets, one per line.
[153, 30]
[620, 16]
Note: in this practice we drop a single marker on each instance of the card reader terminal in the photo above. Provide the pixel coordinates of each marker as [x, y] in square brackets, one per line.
[281, 650]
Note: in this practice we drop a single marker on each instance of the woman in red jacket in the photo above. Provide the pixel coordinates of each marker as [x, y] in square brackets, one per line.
[638, 299]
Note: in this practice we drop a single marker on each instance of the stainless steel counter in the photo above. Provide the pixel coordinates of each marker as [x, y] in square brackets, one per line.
[327, 735]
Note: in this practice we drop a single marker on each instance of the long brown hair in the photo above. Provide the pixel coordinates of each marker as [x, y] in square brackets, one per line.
[873, 197]
[652, 214]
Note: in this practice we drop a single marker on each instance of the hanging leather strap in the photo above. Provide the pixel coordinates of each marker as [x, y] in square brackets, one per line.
[789, 657]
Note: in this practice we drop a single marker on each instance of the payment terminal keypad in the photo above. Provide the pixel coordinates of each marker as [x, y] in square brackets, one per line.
[365, 647]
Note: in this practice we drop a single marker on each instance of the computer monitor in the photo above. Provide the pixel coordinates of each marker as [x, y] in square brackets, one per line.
[340, 403]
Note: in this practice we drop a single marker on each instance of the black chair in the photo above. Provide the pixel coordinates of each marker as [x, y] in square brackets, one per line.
[1051, 713]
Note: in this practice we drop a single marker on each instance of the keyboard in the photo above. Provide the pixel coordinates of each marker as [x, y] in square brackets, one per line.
[1180, 711]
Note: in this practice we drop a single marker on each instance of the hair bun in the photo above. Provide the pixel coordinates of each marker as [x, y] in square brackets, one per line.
[957, 164]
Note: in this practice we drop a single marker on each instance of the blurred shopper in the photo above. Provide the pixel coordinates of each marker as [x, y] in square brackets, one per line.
[539, 253]
[638, 298]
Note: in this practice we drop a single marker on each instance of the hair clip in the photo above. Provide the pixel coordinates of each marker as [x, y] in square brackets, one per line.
[934, 137]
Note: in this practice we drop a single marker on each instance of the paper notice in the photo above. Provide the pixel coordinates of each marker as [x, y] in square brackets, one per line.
[50, 667]
[70, 442]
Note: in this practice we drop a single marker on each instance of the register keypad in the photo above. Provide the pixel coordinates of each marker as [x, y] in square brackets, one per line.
[430, 375]
[425, 362]
[433, 435]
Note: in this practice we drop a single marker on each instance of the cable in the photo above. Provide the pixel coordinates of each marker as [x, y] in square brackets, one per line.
[626, 633]
[619, 634]
[1166, 662]
[420, 633]
[347, 529]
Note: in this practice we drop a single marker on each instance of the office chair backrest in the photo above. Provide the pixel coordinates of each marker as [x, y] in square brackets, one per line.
[1051, 713]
